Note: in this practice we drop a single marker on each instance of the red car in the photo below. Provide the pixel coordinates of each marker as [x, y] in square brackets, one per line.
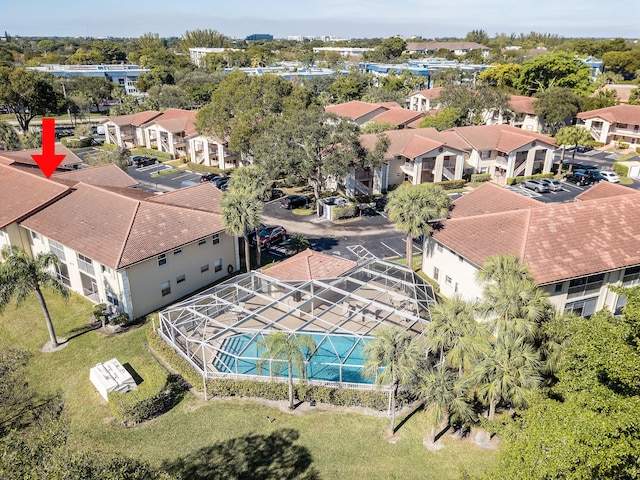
[272, 234]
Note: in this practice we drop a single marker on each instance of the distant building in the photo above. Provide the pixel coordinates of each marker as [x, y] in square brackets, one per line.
[458, 48]
[124, 75]
[259, 36]
[344, 51]
[198, 54]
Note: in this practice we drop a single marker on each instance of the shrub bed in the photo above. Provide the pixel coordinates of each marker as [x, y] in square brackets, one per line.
[451, 184]
[516, 180]
[346, 211]
[151, 153]
[480, 177]
[75, 142]
[620, 169]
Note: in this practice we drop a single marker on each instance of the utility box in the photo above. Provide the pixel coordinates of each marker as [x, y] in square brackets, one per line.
[111, 376]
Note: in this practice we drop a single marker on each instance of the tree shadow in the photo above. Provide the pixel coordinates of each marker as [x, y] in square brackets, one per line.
[409, 415]
[255, 457]
[76, 332]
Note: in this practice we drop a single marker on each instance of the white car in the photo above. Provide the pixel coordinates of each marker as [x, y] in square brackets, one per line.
[610, 176]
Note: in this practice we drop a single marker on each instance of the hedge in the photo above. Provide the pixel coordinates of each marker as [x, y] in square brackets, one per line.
[451, 184]
[197, 167]
[621, 169]
[480, 177]
[346, 211]
[516, 180]
[75, 142]
[131, 408]
[152, 153]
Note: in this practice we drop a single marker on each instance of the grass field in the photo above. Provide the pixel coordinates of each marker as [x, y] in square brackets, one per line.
[338, 444]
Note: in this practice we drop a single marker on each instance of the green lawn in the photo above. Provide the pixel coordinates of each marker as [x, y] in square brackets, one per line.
[341, 445]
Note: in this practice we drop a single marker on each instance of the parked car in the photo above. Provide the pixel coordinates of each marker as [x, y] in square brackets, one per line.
[593, 174]
[272, 234]
[584, 148]
[610, 176]
[276, 193]
[142, 161]
[554, 185]
[218, 181]
[536, 185]
[578, 179]
[207, 177]
[293, 201]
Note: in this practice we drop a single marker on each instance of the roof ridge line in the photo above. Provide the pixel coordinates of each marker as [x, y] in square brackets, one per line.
[124, 244]
[526, 235]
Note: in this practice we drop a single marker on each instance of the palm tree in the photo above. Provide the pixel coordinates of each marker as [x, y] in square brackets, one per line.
[393, 357]
[509, 372]
[241, 213]
[445, 397]
[252, 180]
[573, 135]
[20, 275]
[292, 349]
[455, 332]
[413, 207]
[499, 268]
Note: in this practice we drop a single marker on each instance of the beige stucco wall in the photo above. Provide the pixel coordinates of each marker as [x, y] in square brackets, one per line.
[15, 235]
[145, 278]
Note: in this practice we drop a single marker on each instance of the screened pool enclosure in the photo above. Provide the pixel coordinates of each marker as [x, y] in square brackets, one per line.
[218, 330]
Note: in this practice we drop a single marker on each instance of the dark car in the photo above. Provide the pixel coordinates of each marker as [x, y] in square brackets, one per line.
[219, 181]
[593, 174]
[207, 177]
[294, 201]
[272, 234]
[275, 194]
[581, 179]
[584, 148]
[142, 161]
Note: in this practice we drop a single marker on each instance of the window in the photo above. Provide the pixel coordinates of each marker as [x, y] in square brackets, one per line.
[63, 274]
[180, 279]
[558, 288]
[583, 308]
[202, 241]
[455, 289]
[218, 265]
[177, 251]
[216, 239]
[85, 264]
[439, 247]
[162, 259]
[484, 170]
[166, 288]
[436, 273]
[35, 235]
[447, 279]
[631, 276]
[204, 268]
[112, 299]
[485, 154]
[57, 250]
[581, 287]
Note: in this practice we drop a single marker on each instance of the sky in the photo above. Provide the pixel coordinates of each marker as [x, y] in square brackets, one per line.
[339, 18]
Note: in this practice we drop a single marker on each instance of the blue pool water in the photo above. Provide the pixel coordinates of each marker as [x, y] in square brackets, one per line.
[338, 358]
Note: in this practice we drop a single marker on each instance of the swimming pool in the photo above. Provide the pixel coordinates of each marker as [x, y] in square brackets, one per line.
[338, 358]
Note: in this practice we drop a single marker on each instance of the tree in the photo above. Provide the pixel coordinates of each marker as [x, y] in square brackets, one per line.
[202, 38]
[445, 397]
[297, 243]
[32, 140]
[8, 137]
[625, 63]
[393, 357]
[558, 69]
[634, 97]
[413, 207]
[505, 76]
[150, 42]
[473, 103]
[455, 333]
[445, 119]
[282, 349]
[509, 371]
[27, 93]
[96, 90]
[351, 87]
[573, 135]
[602, 98]
[21, 275]
[241, 213]
[556, 104]
[377, 127]
[253, 181]
[391, 48]
[109, 154]
[477, 36]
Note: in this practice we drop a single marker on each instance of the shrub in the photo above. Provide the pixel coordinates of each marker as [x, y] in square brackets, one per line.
[620, 169]
[121, 319]
[151, 152]
[172, 357]
[130, 409]
[196, 167]
[74, 142]
[98, 311]
[451, 184]
[346, 211]
[480, 177]
[623, 145]
[637, 149]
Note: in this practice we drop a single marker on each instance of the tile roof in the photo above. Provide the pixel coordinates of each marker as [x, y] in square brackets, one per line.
[23, 193]
[419, 146]
[398, 116]
[430, 93]
[309, 265]
[629, 114]
[604, 190]
[135, 119]
[401, 142]
[499, 137]
[354, 109]
[490, 198]
[23, 157]
[119, 231]
[623, 92]
[557, 241]
[103, 175]
[204, 197]
[522, 104]
[175, 120]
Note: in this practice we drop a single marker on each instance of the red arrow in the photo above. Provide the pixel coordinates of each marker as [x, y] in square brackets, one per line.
[48, 161]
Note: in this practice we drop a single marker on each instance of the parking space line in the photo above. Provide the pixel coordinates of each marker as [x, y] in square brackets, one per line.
[182, 175]
[385, 245]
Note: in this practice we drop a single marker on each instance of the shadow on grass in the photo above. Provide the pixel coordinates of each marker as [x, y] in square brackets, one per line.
[256, 457]
[409, 415]
[76, 332]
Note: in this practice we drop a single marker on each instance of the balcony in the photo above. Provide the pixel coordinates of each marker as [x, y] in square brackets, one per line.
[407, 168]
[502, 161]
